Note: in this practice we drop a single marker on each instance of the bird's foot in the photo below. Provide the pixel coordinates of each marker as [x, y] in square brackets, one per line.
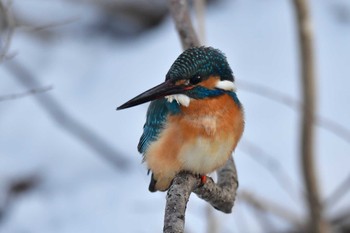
[203, 178]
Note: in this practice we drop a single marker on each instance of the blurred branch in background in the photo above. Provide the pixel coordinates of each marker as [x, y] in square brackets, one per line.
[64, 119]
[180, 13]
[267, 92]
[14, 188]
[338, 193]
[327, 124]
[273, 166]
[6, 28]
[125, 18]
[54, 109]
[318, 224]
[341, 221]
[199, 6]
[267, 206]
[25, 94]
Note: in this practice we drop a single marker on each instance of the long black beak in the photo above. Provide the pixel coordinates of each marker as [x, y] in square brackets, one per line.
[163, 89]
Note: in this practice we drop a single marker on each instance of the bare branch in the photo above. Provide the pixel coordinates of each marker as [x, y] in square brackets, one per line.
[176, 202]
[223, 194]
[199, 6]
[25, 94]
[317, 222]
[14, 189]
[180, 13]
[60, 116]
[270, 207]
[7, 23]
[341, 219]
[328, 124]
[271, 165]
[339, 192]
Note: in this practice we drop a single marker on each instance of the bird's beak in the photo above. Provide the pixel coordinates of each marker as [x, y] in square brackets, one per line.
[163, 89]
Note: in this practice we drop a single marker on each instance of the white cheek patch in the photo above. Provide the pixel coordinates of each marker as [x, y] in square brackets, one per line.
[226, 85]
[182, 99]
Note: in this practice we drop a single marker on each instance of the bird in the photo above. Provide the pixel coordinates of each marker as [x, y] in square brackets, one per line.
[195, 119]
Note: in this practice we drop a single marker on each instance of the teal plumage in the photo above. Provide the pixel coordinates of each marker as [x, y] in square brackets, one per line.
[202, 61]
[192, 123]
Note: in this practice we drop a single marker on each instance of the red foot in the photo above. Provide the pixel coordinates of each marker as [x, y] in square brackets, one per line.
[203, 179]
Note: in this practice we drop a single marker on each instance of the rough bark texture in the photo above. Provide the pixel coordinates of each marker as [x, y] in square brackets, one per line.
[177, 198]
[221, 195]
[317, 221]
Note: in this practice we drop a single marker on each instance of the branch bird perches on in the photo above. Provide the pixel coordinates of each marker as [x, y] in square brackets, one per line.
[220, 195]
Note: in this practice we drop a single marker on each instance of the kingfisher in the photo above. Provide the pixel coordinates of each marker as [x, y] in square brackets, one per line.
[194, 120]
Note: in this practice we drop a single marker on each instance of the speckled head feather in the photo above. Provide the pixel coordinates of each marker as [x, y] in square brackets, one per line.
[203, 61]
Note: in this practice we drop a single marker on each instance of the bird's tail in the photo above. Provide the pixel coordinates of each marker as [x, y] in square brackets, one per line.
[152, 184]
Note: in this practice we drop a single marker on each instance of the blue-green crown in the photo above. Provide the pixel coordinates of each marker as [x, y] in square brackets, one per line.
[203, 61]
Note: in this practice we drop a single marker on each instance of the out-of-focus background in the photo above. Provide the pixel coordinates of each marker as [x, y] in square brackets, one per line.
[68, 160]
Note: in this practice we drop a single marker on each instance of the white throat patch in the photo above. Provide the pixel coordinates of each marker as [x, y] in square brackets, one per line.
[182, 99]
[226, 85]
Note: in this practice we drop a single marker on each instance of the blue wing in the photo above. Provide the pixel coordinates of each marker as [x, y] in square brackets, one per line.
[235, 98]
[156, 118]
[157, 114]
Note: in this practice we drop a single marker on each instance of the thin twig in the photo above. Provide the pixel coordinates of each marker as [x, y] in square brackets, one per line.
[8, 21]
[14, 188]
[317, 222]
[277, 96]
[341, 219]
[325, 123]
[25, 94]
[272, 165]
[268, 206]
[60, 116]
[269, 93]
[339, 192]
[46, 26]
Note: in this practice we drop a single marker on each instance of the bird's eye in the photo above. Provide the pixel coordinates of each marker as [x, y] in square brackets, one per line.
[195, 79]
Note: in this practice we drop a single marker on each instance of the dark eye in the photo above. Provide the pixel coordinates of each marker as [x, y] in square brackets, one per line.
[195, 79]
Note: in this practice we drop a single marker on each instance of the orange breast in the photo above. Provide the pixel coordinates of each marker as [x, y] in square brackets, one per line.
[211, 129]
[199, 139]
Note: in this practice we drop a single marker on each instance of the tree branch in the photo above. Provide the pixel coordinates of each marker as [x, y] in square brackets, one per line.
[7, 22]
[273, 166]
[221, 195]
[317, 221]
[60, 116]
[268, 206]
[180, 13]
[25, 94]
[325, 123]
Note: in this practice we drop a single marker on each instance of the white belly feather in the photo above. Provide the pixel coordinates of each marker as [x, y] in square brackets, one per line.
[205, 154]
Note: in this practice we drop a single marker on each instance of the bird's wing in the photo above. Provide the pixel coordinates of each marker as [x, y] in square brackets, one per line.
[234, 97]
[156, 116]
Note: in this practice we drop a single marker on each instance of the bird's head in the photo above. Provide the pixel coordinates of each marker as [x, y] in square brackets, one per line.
[198, 68]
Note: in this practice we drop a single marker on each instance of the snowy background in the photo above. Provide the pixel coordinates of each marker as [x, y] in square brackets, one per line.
[77, 190]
